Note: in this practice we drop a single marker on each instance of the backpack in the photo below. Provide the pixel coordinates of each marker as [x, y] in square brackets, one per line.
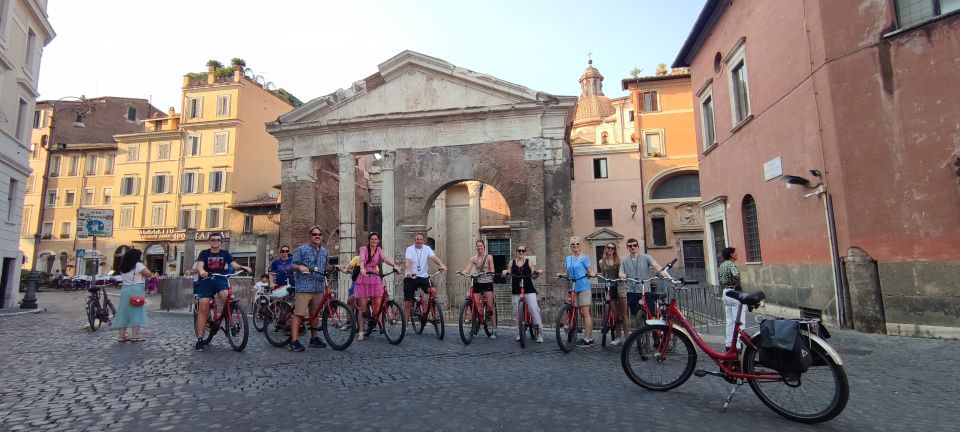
[783, 348]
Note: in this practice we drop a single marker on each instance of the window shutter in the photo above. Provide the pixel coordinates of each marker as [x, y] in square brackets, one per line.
[169, 184]
[200, 183]
[136, 188]
[184, 182]
[225, 215]
[210, 182]
[226, 181]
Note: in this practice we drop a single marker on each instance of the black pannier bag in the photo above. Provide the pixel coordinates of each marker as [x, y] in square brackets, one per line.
[783, 348]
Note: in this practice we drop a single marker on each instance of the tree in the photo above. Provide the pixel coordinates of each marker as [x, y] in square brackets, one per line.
[661, 69]
[214, 64]
[237, 61]
[635, 72]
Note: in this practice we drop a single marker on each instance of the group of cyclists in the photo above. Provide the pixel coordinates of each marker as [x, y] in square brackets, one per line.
[310, 264]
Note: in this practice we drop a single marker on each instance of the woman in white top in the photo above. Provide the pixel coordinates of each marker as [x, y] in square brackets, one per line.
[134, 274]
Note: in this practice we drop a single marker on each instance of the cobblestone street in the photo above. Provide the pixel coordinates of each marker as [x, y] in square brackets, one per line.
[63, 377]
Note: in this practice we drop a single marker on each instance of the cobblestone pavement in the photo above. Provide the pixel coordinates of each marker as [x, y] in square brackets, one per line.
[56, 375]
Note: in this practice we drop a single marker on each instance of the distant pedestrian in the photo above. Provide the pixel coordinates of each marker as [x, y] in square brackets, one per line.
[133, 274]
[729, 276]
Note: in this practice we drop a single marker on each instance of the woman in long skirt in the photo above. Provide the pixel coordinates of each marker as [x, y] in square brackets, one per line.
[134, 274]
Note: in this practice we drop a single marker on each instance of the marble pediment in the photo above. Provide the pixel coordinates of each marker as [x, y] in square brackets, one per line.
[411, 83]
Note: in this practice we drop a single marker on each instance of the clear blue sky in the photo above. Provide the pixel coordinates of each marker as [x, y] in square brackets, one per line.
[311, 48]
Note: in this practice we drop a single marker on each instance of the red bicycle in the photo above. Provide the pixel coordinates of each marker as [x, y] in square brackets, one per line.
[524, 317]
[471, 312]
[388, 317]
[427, 311]
[230, 317]
[336, 321]
[569, 319]
[660, 356]
[609, 320]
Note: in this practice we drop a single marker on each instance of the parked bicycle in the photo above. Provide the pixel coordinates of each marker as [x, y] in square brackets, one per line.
[336, 321]
[229, 317]
[427, 310]
[266, 300]
[388, 317]
[661, 356]
[99, 308]
[471, 312]
[569, 320]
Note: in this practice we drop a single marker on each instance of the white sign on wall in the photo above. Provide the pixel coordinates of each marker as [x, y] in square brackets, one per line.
[95, 222]
[772, 169]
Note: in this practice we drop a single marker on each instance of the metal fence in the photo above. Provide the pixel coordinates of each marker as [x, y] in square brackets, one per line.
[177, 292]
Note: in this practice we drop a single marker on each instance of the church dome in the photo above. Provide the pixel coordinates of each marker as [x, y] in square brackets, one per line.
[592, 106]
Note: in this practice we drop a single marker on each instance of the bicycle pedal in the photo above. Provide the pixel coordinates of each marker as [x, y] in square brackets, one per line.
[700, 373]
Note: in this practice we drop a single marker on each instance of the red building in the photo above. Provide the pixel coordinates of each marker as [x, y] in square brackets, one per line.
[865, 93]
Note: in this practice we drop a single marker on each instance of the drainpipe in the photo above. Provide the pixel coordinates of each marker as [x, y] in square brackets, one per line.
[840, 297]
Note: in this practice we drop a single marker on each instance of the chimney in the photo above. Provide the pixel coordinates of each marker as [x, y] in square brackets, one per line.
[171, 112]
[186, 81]
[211, 75]
[237, 73]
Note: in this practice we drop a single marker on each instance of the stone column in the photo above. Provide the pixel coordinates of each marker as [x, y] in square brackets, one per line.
[440, 225]
[388, 237]
[189, 249]
[348, 207]
[262, 266]
[866, 296]
[473, 191]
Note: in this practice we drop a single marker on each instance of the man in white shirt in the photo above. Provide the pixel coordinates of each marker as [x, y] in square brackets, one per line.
[416, 259]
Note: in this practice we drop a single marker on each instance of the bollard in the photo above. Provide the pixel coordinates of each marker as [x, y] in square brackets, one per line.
[30, 297]
[866, 297]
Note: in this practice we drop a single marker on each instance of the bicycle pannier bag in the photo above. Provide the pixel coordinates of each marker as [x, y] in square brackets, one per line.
[137, 301]
[782, 346]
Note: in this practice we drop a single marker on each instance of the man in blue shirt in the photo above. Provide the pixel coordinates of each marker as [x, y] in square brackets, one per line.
[280, 268]
[311, 261]
[213, 261]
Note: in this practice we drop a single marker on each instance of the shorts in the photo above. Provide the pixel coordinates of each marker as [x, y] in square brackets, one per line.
[209, 288]
[634, 299]
[584, 298]
[410, 286]
[306, 302]
[482, 287]
[618, 290]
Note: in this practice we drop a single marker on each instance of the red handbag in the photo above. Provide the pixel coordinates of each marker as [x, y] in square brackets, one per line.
[137, 301]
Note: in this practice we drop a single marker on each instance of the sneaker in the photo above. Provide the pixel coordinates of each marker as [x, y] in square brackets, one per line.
[584, 343]
[615, 342]
[315, 342]
[296, 346]
[493, 335]
[199, 346]
[518, 338]
[539, 337]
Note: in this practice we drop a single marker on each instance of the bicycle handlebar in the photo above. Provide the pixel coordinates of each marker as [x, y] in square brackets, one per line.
[476, 275]
[224, 275]
[429, 275]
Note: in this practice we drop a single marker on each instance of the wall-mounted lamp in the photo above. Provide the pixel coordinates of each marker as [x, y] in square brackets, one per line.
[378, 156]
[633, 209]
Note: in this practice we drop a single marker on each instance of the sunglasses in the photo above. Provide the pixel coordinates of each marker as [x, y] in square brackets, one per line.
[215, 240]
[611, 247]
[574, 244]
[284, 250]
[316, 234]
[521, 250]
[633, 245]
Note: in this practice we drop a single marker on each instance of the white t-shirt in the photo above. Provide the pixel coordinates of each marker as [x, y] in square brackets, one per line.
[419, 259]
[134, 277]
[259, 287]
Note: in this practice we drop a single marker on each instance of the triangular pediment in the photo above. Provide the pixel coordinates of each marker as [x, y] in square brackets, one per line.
[604, 234]
[411, 82]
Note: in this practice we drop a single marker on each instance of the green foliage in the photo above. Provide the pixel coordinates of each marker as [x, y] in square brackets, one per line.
[197, 75]
[224, 73]
[635, 72]
[661, 69]
[288, 96]
[214, 64]
[237, 61]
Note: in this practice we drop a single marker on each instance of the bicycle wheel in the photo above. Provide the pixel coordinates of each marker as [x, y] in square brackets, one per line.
[337, 327]
[394, 326]
[605, 325]
[258, 312]
[417, 318]
[93, 315]
[467, 322]
[566, 327]
[369, 322]
[814, 396]
[436, 317]
[277, 324]
[109, 312]
[521, 330]
[235, 326]
[653, 365]
[488, 323]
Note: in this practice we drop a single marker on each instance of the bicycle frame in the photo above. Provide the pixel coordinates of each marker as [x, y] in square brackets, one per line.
[476, 309]
[572, 301]
[384, 298]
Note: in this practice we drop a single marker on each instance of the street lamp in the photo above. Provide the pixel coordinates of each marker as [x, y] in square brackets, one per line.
[81, 109]
[820, 190]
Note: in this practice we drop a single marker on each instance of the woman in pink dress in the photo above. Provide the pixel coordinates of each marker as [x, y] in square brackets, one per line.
[369, 283]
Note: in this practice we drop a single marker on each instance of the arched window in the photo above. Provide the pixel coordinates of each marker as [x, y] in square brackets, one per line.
[751, 231]
[679, 186]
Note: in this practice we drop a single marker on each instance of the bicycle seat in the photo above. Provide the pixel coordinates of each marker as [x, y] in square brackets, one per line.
[750, 299]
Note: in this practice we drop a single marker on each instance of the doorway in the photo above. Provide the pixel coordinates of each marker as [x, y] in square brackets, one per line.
[694, 264]
[719, 242]
[5, 283]
[155, 263]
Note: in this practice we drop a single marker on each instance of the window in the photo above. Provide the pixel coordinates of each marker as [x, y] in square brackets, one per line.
[30, 181]
[22, 121]
[88, 196]
[162, 183]
[90, 165]
[223, 105]
[653, 144]
[739, 88]
[630, 119]
[109, 163]
[132, 113]
[55, 166]
[220, 142]
[193, 145]
[126, 216]
[910, 12]
[35, 148]
[11, 197]
[218, 181]
[74, 165]
[163, 151]
[69, 198]
[46, 232]
[25, 224]
[38, 119]
[603, 218]
[30, 57]
[107, 195]
[604, 138]
[650, 101]
[600, 168]
[158, 215]
[129, 186]
[679, 186]
[247, 224]
[51, 199]
[194, 108]
[187, 218]
[133, 153]
[188, 182]
[707, 129]
[213, 217]
[66, 228]
[751, 230]
[659, 225]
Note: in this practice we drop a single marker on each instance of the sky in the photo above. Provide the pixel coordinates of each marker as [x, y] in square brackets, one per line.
[136, 48]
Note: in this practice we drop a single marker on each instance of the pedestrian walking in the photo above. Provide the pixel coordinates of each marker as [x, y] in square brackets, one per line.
[133, 274]
[729, 276]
